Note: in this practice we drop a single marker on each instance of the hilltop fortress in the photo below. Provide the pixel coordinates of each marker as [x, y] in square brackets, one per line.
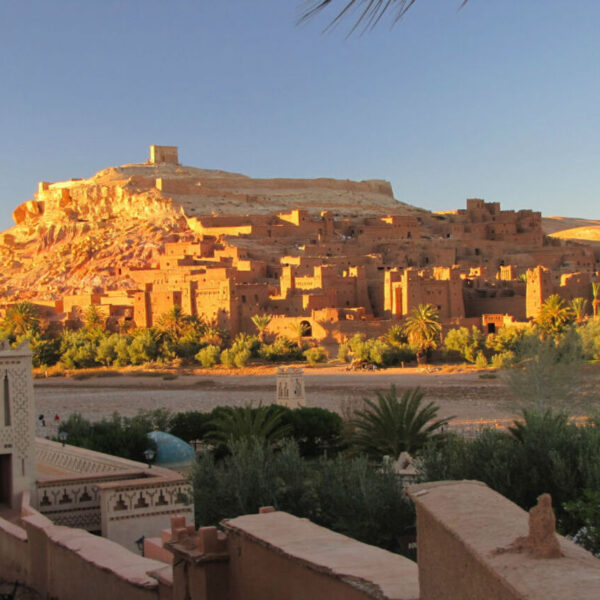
[343, 256]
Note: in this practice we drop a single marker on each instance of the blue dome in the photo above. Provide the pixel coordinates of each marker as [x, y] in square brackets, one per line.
[171, 452]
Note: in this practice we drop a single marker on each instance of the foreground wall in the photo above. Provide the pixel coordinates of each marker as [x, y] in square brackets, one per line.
[71, 564]
[472, 544]
[276, 556]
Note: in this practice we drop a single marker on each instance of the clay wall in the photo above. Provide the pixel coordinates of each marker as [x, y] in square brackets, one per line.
[202, 248]
[464, 536]
[181, 185]
[70, 564]
[326, 566]
[79, 301]
[495, 301]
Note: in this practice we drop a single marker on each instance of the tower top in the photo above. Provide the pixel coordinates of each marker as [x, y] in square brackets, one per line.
[164, 154]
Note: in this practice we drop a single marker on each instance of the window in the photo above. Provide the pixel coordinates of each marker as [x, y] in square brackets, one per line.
[6, 402]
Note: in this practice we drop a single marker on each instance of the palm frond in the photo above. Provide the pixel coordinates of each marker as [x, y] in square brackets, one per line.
[370, 11]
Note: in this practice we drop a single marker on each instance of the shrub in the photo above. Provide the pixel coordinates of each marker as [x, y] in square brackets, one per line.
[481, 362]
[317, 431]
[242, 357]
[543, 454]
[315, 355]
[343, 352]
[584, 514]
[227, 358]
[208, 356]
[590, 339]
[502, 360]
[118, 436]
[282, 349]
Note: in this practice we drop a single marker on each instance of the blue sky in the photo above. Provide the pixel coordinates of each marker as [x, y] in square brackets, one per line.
[499, 100]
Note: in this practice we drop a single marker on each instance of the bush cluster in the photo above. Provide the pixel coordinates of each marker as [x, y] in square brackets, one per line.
[543, 453]
[348, 495]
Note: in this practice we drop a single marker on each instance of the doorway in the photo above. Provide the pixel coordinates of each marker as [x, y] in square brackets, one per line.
[5, 478]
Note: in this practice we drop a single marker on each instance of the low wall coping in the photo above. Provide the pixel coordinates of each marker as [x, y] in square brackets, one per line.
[101, 553]
[375, 571]
[486, 524]
[13, 530]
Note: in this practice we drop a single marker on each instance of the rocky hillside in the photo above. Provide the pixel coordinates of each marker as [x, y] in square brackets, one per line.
[76, 234]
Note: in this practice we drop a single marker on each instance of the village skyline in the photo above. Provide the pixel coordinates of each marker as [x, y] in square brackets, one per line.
[483, 102]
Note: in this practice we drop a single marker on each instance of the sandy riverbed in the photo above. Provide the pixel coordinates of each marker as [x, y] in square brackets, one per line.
[465, 395]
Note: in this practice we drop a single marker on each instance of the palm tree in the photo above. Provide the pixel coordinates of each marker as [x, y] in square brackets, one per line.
[299, 330]
[554, 315]
[396, 336]
[423, 329]
[370, 13]
[172, 322]
[261, 323]
[390, 425]
[595, 294]
[578, 308]
[245, 423]
[21, 318]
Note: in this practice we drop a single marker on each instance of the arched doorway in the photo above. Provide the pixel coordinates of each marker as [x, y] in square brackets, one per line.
[306, 328]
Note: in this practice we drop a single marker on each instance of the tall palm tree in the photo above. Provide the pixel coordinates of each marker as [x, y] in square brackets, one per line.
[172, 322]
[554, 315]
[261, 322]
[370, 11]
[390, 425]
[595, 294]
[20, 319]
[423, 329]
[578, 308]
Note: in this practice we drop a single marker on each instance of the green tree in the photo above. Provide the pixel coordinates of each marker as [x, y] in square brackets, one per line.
[423, 329]
[545, 372]
[315, 355]
[261, 322]
[390, 425]
[465, 342]
[555, 314]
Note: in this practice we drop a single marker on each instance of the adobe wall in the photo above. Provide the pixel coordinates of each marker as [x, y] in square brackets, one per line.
[14, 553]
[71, 564]
[498, 301]
[464, 536]
[275, 555]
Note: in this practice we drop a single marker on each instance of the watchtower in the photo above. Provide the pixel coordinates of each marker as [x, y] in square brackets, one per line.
[17, 424]
[166, 155]
[290, 387]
